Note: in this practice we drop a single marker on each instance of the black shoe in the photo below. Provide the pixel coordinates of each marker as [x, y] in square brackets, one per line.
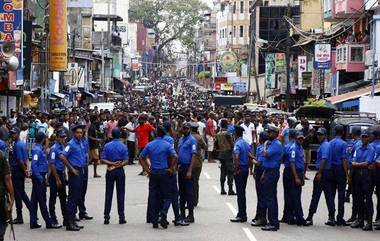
[223, 192]
[18, 221]
[357, 224]
[76, 219]
[189, 219]
[238, 220]
[330, 222]
[35, 226]
[72, 227]
[180, 223]
[259, 223]
[351, 220]
[164, 223]
[122, 221]
[367, 227]
[54, 226]
[106, 221]
[79, 226]
[155, 225]
[97, 176]
[231, 193]
[308, 222]
[283, 220]
[85, 217]
[342, 223]
[269, 228]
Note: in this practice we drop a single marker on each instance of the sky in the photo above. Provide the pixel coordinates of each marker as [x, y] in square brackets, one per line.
[208, 2]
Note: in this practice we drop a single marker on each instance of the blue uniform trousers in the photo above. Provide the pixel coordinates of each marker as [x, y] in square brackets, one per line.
[271, 177]
[186, 194]
[115, 176]
[61, 193]
[339, 184]
[39, 199]
[174, 196]
[377, 184]
[159, 189]
[324, 185]
[75, 191]
[295, 204]
[260, 209]
[81, 205]
[18, 180]
[286, 182]
[241, 184]
[363, 193]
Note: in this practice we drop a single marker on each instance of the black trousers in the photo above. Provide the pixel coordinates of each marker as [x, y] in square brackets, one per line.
[363, 193]
[131, 151]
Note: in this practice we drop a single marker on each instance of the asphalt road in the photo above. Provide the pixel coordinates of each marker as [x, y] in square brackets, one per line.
[212, 217]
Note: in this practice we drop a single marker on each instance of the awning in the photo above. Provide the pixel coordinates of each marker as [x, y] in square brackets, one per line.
[303, 42]
[92, 95]
[353, 95]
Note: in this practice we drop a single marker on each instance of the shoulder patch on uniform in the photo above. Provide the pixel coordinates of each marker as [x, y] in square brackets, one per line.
[293, 154]
[35, 157]
[53, 155]
[67, 148]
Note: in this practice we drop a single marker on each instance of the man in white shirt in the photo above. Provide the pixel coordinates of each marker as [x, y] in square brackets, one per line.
[131, 140]
[201, 127]
[249, 134]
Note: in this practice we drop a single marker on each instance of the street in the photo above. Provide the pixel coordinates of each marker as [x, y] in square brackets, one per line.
[211, 216]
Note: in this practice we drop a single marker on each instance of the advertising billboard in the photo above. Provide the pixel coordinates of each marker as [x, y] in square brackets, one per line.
[58, 35]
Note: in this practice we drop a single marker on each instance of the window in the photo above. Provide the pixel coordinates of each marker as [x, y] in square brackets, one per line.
[241, 6]
[250, 3]
[234, 8]
[356, 54]
[234, 31]
[344, 54]
[241, 32]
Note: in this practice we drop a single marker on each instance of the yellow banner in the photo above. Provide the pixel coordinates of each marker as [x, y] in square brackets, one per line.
[58, 35]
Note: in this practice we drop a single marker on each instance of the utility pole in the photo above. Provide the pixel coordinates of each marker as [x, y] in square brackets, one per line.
[252, 57]
[102, 75]
[287, 58]
[108, 24]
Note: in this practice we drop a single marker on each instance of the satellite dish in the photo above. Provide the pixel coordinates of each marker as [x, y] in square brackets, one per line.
[12, 63]
[8, 49]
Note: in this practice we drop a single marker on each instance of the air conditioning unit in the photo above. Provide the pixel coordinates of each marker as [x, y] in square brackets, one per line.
[368, 57]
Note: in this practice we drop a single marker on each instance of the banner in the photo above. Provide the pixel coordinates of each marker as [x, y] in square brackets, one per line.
[280, 62]
[27, 46]
[322, 56]
[270, 75]
[11, 16]
[58, 35]
[302, 67]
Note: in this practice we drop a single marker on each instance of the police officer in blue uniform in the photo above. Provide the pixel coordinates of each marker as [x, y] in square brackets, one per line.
[356, 143]
[261, 214]
[295, 177]
[161, 154]
[288, 216]
[339, 167]
[363, 159]
[82, 207]
[115, 155]
[18, 157]
[75, 159]
[273, 152]
[187, 151]
[376, 174]
[322, 179]
[241, 156]
[3, 146]
[178, 220]
[57, 179]
[40, 168]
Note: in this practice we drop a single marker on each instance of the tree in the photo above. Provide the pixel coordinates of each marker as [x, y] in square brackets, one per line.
[170, 19]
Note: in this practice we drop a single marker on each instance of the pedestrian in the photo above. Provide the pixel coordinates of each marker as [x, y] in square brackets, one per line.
[339, 162]
[187, 151]
[161, 154]
[131, 140]
[18, 155]
[363, 159]
[57, 179]
[224, 144]
[39, 168]
[115, 156]
[75, 159]
[6, 195]
[94, 141]
[241, 156]
[197, 169]
[261, 213]
[272, 158]
[322, 180]
[210, 136]
[249, 134]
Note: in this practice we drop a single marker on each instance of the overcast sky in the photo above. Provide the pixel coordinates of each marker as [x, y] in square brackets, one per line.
[209, 2]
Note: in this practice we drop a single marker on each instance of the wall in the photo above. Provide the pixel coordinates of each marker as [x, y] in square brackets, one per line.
[311, 14]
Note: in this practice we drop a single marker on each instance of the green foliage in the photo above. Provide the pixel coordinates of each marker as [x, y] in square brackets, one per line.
[204, 74]
[315, 102]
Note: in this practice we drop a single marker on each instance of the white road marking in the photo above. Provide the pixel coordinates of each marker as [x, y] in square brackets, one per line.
[216, 189]
[232, 208]
[206, 175]
[249, 234]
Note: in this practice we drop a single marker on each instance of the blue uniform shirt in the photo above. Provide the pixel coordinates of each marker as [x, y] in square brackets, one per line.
[375, 144]
[260, 153]
[286, 153]
[54, 153]
[75, 153]
[324, 153]
[169, 139]
[159, 152]
[20, 153]
[338, 149]
[230, 129]
[187, 147]
[3, 146]
[285, 136]
[355, 145]
[114, 151]
[364, 154]
[274, 155]
[242, 149]
[296, 156]
[377, 155]
[39, 162]
[86, 146]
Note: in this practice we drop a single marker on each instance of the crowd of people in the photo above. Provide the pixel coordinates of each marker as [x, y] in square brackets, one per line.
[171, 129]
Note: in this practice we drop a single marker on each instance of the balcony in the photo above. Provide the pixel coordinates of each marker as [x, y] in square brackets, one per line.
[351, 57]
[348, 8]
